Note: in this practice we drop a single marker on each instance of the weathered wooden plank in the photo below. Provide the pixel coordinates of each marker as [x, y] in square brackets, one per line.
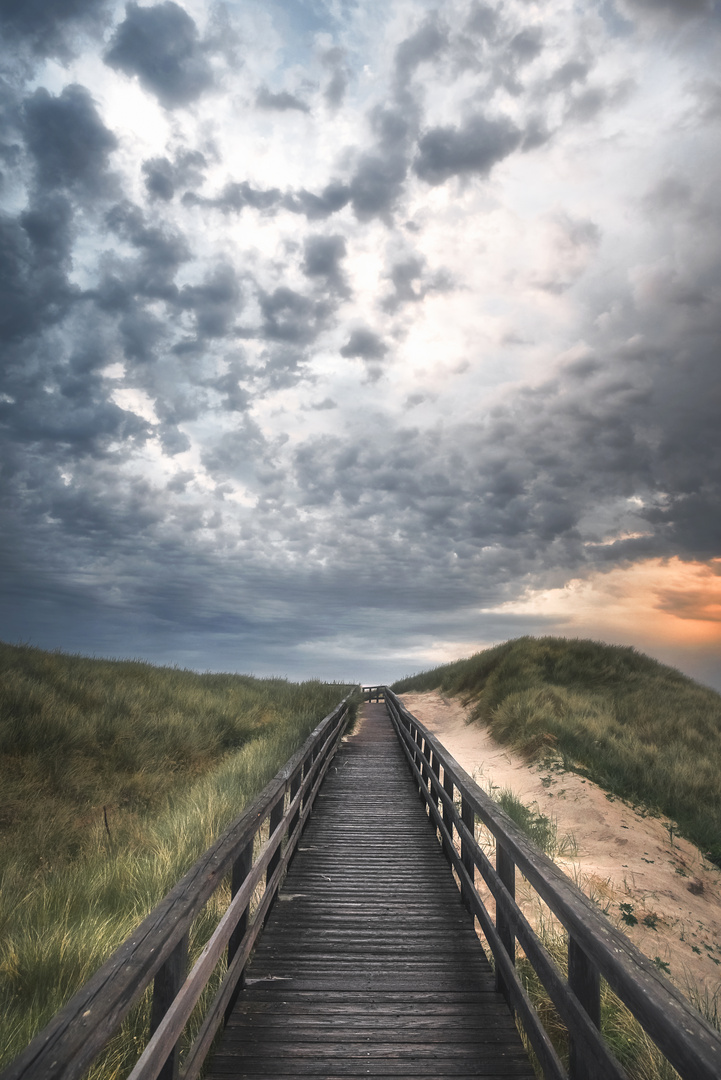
[688, 1041]
[70, 1042]
[359, 975]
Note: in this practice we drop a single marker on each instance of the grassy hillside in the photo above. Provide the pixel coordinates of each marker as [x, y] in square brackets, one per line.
[638, 728]
[114, 777]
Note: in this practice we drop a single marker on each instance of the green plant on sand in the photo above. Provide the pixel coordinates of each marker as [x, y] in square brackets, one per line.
[638, 728]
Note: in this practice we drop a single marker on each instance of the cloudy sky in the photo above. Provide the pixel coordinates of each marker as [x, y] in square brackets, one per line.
[344, 338]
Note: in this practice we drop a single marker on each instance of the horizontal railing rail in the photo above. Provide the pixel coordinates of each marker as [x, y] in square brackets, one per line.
[595, 948]
[157, 951]
[373, 693]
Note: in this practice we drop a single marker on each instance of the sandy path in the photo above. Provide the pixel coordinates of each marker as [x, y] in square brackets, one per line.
[622, 857]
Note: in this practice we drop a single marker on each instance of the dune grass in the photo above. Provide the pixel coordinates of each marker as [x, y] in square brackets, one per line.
[115, 776]
[628, 1041]
[636, 727]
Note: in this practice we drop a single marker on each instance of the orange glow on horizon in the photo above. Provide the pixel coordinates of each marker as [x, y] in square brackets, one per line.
[654, 601]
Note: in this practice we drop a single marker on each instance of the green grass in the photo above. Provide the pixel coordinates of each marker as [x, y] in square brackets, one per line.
[638, 728]
[633, 1048]
[168, 757]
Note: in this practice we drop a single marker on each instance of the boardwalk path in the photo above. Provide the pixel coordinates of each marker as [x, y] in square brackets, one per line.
[369, 965]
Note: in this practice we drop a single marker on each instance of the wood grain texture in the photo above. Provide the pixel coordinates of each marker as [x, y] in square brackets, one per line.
[67, 1046]
[691, 1045]
[369, 965]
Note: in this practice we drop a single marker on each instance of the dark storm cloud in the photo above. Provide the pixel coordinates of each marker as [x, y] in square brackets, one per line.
[161, 45]
[50, 27]
[163, 177]
[279, 102]
[68, 140]
[34, 263]
[473, 148]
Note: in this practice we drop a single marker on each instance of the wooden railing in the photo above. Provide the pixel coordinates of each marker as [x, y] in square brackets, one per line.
[373, 693]
[596, 949]
[158, 950]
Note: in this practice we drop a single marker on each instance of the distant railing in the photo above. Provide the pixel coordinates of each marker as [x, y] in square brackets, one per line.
[373, 693]
[158, 950]
[595, 948]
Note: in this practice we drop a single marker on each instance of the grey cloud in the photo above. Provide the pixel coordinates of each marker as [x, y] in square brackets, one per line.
[333, 198]
[280, 102]
[380, 173]
[473, 148]
[658, 10]
[68, 140]
[570, 72]
[34, 262]
[51, 27]
[334, 61]
[236, 399]
[323, 256]
[364, 344]
[326, 403]
[235, 197]
[412, 282]
[425, 44]
[163, 177]
[161, 45]
[289, 316]
[482, 20]
[215, 303]
[526, 45]
[162, 251]
[376, 185]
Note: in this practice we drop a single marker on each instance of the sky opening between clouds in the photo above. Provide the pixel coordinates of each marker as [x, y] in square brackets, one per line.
[342, 338]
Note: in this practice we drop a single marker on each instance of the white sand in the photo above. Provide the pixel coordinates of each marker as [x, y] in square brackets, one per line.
[622, 857]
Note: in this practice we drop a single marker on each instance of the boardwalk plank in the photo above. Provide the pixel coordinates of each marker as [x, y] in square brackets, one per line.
[369, 965]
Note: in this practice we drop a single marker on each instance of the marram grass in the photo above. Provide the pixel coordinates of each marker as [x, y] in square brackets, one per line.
[115, 777]
[636, 727]
[625, 1037]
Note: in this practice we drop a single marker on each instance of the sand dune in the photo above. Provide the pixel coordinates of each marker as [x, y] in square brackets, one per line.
[622, 856]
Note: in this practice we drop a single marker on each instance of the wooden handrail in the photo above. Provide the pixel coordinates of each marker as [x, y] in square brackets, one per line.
[157, 949]
[596, 948]
[373, 693]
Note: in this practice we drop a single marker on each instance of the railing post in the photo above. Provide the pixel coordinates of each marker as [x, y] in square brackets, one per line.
[276, 816]
[241, 868]
[168, 981]
[436, 770]
[418, 738]
[307, 764]
[294, 786]
[585, 981]
[468, 818]
[506, 870]
[447, 813]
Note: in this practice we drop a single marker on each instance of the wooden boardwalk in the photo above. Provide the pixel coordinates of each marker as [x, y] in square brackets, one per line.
[369, 965]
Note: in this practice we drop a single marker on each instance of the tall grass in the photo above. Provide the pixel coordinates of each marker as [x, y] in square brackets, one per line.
[638, 728]
[628, 1041]
[167, 758]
